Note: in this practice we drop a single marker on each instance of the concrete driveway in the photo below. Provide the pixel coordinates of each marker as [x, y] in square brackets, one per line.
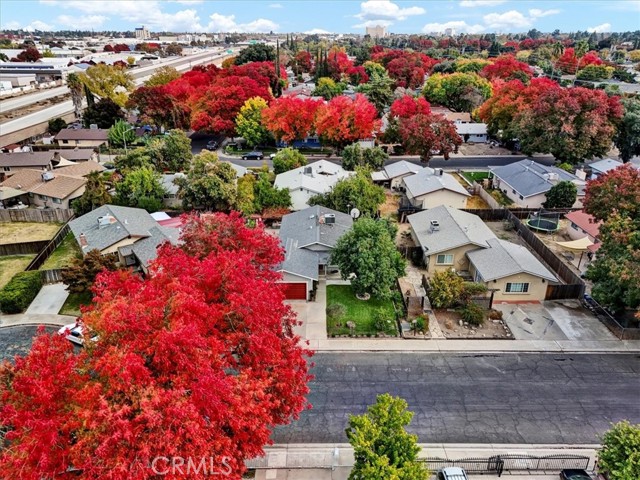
[553, 320]
[313, 315]
[49, 300]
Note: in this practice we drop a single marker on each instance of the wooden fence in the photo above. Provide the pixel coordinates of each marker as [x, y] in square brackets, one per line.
[24, 248]
[48, 249]
[35, 215]
[486, 196]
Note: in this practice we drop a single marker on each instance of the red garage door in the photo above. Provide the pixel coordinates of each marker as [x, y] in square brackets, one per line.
[295, 291]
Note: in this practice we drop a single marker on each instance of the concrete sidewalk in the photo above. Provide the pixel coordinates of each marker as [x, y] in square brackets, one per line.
[334, 461]
[35, 319]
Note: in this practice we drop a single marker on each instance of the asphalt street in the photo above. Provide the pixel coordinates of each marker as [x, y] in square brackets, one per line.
[475, 398]
[17, 340]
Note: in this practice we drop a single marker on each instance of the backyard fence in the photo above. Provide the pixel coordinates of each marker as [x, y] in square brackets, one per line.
[486, 196]
[51, 276]
[35, 215]
[48, 249]
[625, 332]
[24, 248]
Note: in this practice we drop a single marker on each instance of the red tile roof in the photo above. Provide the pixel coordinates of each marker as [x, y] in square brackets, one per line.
[585, 222]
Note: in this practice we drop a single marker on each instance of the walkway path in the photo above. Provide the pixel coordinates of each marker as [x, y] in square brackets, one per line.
[49, 300]
[35, 319]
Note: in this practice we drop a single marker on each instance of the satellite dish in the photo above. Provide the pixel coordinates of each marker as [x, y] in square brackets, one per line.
[355, 213]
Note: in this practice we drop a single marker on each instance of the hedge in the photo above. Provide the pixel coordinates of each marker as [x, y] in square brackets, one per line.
[16, 295]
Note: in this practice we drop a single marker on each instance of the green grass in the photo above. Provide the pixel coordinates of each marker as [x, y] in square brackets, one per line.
[12, 264]
[360, 312]
[74, 301]
[475, 176]
[63, 255]
[500, 197]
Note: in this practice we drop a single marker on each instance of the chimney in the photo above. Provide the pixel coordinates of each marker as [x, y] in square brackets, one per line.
[83, 241]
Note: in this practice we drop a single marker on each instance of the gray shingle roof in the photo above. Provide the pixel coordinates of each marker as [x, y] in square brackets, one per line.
[529, 178]
[503, 259]
[146, 249]
[428, 180]
[457, 228]
[83, 134]
[403, 167]
[134, 222]
[302, 229]
[604, 165]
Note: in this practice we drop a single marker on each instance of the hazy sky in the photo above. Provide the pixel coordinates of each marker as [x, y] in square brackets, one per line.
[470, 16]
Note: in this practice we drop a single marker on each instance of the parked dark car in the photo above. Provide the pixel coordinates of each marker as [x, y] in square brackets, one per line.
[574, 474]
[253, 156]
[212, 145]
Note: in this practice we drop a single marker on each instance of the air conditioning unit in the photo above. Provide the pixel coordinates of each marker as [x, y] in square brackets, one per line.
[47, 176]
[435, 225]
[330, 218]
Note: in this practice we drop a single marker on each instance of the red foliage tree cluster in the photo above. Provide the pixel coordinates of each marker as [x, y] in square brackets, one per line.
[530, 43]
[506, 67]
[357, 75]
[422, 132]
[118, 47]
[196, 362]
[342, 121]
[338, 63]
[31, 54]
[406, 68]
[207, 98]
[290, 118]
[572, 124]
[302, 62]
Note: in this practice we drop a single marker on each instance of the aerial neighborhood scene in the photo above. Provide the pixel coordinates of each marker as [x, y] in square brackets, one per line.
[332, 240]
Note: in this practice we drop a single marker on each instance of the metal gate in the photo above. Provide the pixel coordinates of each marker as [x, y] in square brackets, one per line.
[512, 463]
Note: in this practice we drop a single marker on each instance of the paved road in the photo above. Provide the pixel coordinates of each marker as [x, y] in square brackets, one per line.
[17, 340]
[457, 398]
[9, 104]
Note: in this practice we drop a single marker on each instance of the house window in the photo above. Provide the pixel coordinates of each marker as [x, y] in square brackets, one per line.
[513, 190]
[6, 169]
[574, 226]
[521, 197]
[517, 288]
[444, 260]
[65, 142]
[42, 197]
[57, 200]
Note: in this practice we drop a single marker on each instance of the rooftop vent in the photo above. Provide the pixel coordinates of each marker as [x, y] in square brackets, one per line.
[441, 172]
[106, 220]
[435, 225]
[47, 176]
[330, 218]
[83, 240]
[308, 171]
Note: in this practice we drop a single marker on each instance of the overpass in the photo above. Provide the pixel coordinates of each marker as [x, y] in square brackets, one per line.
[36, 123]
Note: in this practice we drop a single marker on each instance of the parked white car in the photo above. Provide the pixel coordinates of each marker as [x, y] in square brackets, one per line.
[74, 332]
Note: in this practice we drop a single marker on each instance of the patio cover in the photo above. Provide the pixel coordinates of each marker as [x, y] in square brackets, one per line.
[581, 245]
[8, 192]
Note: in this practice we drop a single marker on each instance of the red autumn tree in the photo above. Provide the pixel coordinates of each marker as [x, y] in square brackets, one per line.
[197, 362]
[338, 63]
[428, 135]
[290, 118]
[302, 62]
[616, 192]
[408, 106]
[107, 48]
[506, 67]
[357, 75]
[590, 58]
[31, 54]
[568, 61]
[342, 120]
[499, 110]
[406, 68]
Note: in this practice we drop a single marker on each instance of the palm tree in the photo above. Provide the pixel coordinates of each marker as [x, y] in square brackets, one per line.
[76, 87]
[557, 49]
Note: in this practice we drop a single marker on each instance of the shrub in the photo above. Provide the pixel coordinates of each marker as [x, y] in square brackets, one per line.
[381, 321]
[445, 289]
[472, 314]
[336, 311]
[422, 323]
[495, 314]
[16, 295]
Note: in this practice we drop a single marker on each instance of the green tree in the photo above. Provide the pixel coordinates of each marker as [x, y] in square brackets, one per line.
[462, 92]
[355, 156]
[258, 52]
[95, 195]
[327, 88]
[162, 76]
[627, 136]
[170, 152]
[103, 114]
[141, 188]
[378, 90]
[382, 447]
[80, 276]
[107, 81]
[246, 194]
[55, 125]
[209, 184]
[268, 196]
[367, 255]
[619, 457]
[121, 134]
[249, 122]
[135, 158]
[355, 191]
[288, 159]
[561, 195]
[76, 88]
[373, 68]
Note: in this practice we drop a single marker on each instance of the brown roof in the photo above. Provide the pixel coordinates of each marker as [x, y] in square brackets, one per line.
[83, 134]
[25, 159]
[585, 222]
[461, 116]
[80, 169]
[61, 186]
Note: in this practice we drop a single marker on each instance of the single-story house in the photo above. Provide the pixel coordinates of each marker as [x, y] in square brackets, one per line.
[53, 189]
[584, 225]
[12, 162]
[446, 234]
[113, 229]
[432, 187]
[170, 198]
[511, 269]
[313, 179]
[308, 237]
[602, 167]
[82, 137]
[454, 240]
[393, 173]
[527, 182]
[472, 132]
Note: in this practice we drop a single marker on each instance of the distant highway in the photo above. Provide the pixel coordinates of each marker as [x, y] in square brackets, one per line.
[26, 122]
[29, 99]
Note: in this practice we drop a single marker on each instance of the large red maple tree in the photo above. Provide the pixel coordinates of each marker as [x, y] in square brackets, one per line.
[343, 120]
[196, 362]
[290, 118]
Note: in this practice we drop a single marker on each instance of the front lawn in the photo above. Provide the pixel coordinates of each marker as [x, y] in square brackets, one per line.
[475, 176]
[12, 264]
[63, 254]
[361, 312]
[74, 301]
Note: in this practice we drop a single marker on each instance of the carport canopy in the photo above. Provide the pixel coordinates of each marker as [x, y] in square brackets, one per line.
[580, 245]
[7, 192]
